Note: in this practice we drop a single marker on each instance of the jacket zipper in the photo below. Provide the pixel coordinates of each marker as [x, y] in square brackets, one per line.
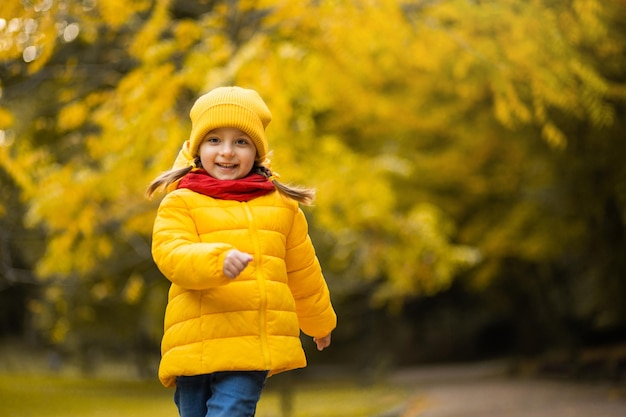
[261, 283]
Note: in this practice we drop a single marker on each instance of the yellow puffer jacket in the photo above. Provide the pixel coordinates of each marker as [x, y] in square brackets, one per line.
[252, 322]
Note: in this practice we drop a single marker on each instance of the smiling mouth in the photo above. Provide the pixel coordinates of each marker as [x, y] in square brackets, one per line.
[226, 166]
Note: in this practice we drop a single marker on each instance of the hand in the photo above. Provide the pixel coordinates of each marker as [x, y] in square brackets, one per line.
[322, 342]
[235, 262]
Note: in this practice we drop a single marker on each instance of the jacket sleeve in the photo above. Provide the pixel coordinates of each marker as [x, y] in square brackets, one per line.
[178, 251]
[308, 286]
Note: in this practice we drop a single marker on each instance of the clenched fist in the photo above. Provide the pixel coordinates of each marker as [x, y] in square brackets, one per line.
[235, 262]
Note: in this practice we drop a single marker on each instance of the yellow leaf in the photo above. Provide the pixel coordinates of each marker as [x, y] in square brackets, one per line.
[554, 136]
[6, 119]
[72, 116]
[134, 288]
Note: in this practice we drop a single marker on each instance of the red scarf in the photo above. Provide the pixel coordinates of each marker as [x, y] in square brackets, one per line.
[243, 189]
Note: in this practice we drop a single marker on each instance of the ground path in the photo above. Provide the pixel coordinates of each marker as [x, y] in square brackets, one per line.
[484, 390]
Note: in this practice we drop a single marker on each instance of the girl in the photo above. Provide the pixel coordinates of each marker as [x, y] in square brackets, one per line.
[244, 275]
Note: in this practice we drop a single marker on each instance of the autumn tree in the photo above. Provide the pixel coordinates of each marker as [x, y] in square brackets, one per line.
[448, 140]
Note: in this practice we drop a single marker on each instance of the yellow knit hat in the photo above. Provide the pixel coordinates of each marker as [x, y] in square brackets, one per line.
[229, 107]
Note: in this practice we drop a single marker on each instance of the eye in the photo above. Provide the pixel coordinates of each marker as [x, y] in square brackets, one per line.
[243, 142]
[212, 139]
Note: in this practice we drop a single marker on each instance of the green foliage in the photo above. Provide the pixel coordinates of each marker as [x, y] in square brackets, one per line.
[67, 397]
[62, 396]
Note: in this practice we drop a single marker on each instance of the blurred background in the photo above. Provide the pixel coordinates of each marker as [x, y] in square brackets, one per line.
[468, 158]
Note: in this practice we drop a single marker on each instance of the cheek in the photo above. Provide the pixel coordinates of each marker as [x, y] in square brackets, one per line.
[250, 158]
[204, 154]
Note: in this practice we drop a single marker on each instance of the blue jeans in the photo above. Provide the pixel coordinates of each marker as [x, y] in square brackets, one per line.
[220, 394]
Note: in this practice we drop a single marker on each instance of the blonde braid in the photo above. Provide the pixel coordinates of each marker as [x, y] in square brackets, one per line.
[301, 194]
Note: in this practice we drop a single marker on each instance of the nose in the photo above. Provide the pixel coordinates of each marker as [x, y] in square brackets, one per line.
[227, 149]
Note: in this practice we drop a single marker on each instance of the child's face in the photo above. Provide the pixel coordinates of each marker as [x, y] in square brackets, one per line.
[227, 153]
